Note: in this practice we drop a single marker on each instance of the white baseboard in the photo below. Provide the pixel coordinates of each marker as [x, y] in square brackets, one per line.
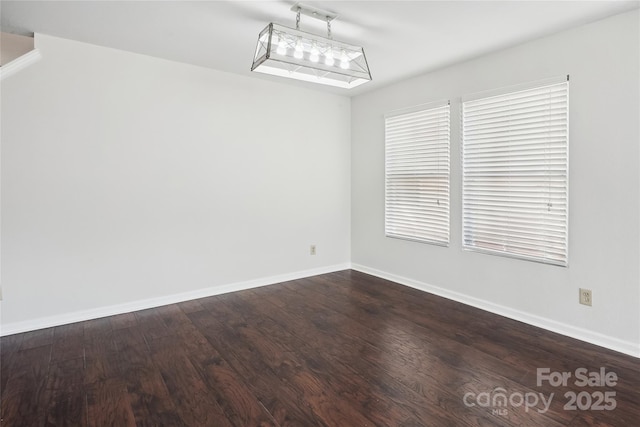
[79, 316]
[626, 347]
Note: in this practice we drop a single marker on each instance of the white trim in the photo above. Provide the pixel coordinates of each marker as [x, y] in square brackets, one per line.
[627, 347]
[19, 63]
[79, 316]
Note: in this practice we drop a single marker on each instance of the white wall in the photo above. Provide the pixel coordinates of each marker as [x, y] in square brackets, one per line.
[127, 178]
[603, 61]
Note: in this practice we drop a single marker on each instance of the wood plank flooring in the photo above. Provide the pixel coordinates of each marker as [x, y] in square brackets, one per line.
[341, 349]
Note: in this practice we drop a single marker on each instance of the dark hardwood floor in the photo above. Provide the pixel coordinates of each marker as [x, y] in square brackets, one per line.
[341, 349]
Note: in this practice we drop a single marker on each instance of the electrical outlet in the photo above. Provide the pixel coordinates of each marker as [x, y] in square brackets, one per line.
[585, 297]
[312, 250]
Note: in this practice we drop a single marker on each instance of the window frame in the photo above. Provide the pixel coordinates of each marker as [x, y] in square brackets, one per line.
[425, 233]
[512, 91]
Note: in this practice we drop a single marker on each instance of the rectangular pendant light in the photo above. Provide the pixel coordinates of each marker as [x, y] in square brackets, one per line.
[287, 52]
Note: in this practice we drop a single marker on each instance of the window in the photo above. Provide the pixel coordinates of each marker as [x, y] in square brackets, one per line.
[514, 167]
[417, 174]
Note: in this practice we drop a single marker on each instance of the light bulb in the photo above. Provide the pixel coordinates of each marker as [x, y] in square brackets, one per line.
[282, 47]
[344, 61]
[314, 56]
[299, 51]
[328, 57]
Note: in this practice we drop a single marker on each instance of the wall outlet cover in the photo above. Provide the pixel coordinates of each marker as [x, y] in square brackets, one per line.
[585, 297]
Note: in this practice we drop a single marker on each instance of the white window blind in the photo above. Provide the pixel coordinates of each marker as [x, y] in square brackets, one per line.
[515, 173]
[417, 174]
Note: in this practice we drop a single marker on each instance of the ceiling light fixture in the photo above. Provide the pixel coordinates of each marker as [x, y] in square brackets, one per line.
[285, 52]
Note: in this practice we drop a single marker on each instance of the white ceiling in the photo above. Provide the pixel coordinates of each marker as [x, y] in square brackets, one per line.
[401, 38]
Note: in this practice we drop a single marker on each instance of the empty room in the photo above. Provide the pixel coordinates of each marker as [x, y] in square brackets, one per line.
[325, 213]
